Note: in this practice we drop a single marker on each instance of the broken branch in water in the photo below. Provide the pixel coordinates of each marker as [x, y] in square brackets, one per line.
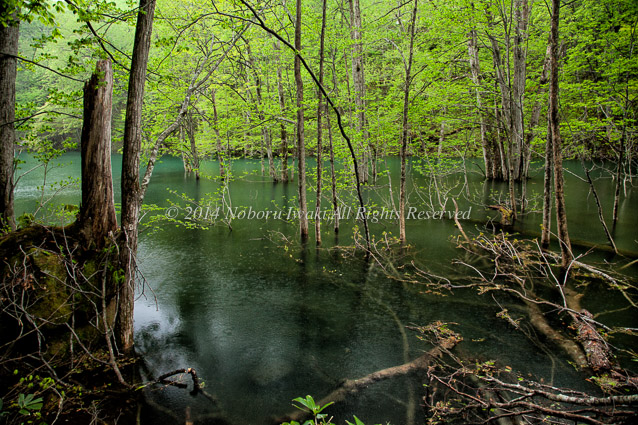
[352, 386]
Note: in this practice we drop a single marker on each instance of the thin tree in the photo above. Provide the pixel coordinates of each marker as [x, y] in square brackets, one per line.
[358, 80]
[262, 24]
[320, 112]
[404, 133]
[559, 193]
[547, 190]
[301, 147]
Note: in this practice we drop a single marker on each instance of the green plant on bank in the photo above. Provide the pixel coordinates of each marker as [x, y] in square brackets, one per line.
[308, 405]
[27, 406]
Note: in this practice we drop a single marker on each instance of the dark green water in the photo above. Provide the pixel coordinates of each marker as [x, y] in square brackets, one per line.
[263, 321]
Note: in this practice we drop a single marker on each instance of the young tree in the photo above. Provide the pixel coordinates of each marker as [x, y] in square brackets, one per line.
[359, 83]
[301, 147]
[557, 155]
[320, 112]
[405, 127]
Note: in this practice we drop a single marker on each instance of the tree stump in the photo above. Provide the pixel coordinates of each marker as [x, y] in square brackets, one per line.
[97, 211]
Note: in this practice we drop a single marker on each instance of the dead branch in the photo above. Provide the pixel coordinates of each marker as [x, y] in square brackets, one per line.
[352, 386]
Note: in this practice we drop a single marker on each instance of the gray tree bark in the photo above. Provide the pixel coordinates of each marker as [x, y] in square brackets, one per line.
[131, 190]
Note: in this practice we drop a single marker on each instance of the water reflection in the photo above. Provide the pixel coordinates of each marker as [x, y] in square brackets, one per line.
[263, 321]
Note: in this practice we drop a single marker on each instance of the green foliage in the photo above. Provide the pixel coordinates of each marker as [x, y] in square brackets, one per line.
[28, 404]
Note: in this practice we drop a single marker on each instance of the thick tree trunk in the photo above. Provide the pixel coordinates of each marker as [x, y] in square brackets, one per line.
[561, 213]
[8, 64]
[301, 147]
[131, 190]
[320, 112]
[97, 211]
[405, 128]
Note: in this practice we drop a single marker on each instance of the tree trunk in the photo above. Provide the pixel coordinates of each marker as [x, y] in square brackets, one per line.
[265, 133]
[191, 128]
[131, 189]
[547, 191]
[301, 148]
[358, 79]
[561, 213]
[601, 216]
[618, 176]
[8, 64]
[473, 51]
[320, 112]
[333, 176]
[220, 150]
[521, 12]
[97, 212]
[282, 107]
[404, 133]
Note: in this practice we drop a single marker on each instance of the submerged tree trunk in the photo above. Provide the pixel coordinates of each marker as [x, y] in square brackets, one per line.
[265, 132]
[320, 112]
[561, 213]
[131, 189]
[547, 191]
[282, 126]
[301, 148]
[521, 12]
[405, 130]
[219, 147]
[488, 157]
[191, 128]
[8, 65]
[97, 212]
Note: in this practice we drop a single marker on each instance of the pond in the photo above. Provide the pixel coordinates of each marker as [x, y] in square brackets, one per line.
[264, 319]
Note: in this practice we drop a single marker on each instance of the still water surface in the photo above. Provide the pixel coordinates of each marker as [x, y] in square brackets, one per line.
[263, 320]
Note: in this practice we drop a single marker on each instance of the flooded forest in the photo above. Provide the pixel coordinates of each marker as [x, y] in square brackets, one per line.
[318, 212]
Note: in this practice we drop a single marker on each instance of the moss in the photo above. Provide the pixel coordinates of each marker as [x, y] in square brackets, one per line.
[52, 294]
[58, 288]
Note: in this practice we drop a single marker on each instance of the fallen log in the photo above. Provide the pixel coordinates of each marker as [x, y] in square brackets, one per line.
[352, 386]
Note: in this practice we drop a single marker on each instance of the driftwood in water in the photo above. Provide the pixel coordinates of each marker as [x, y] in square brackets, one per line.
[352, 386]
[598, 353]
[196, 387]
[97, 211]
